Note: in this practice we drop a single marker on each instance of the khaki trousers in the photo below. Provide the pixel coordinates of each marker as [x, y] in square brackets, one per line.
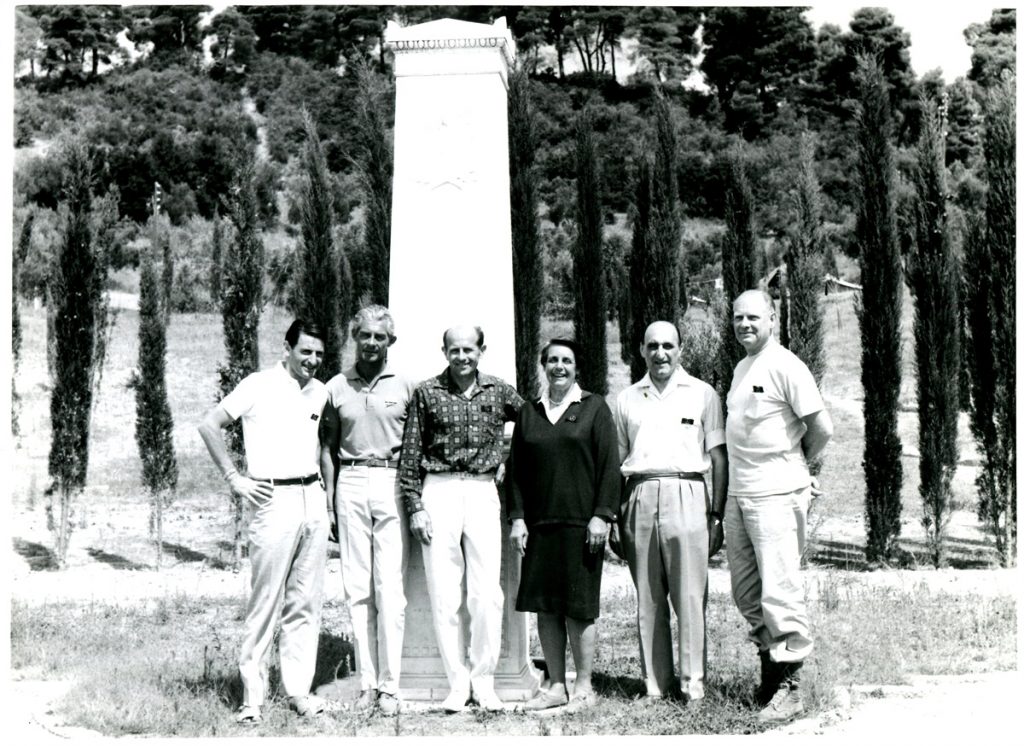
[764, 540]
[664, 533]
[373, 539]
[465, 515]
[288, 555]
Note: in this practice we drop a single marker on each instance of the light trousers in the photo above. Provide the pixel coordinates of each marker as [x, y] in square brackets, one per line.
[465, 515]
[664, 534]
[288, 556]
[764, 541]
[373, 539]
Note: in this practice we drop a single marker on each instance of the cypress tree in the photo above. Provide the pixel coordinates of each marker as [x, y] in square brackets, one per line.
[20, 256]
[374, 164]
[320, 295]
[241, 305]
[641, 271]
[162, 228]
[739, 260]
[991, 281]
[216, 257]
[153, 422]
[935, 279]
[590, 312]
[527, 259]
[78, 322]
[879, 313]
[666, 219]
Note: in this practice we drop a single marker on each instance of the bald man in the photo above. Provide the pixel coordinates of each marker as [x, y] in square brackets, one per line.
[776, 424]
[670, 432]
[452, 451]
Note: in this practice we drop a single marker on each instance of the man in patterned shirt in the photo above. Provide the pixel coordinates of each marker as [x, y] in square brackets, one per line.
[452, 455]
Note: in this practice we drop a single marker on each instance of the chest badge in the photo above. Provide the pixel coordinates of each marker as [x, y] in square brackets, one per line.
[572, 418]
[314, 417]
[487, 408]
[758, 389]
[687, 421]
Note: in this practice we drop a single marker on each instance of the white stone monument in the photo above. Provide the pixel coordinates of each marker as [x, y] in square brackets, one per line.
[451, 263]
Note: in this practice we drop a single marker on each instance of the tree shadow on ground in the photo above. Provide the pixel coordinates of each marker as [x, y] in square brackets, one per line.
[37, 556]
[114, 560]
[186, 554]
[618, 687]
[961, 554]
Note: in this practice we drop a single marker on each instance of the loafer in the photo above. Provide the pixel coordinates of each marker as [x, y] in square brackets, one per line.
[786, 705]
[456, 701]
[389, 704]
[307, 706]
[545, 700]
[248, 715]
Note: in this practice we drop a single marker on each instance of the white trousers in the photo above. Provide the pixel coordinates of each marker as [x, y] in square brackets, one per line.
[664, 531]
[465, 515]
[764, 540]
[288, 555]
[373, 539]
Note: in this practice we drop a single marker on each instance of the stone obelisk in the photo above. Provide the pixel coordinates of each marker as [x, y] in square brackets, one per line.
[451, 263]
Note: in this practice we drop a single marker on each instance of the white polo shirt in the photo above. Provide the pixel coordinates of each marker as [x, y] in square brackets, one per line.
[280, 421]
[770, 393]
[669, 431]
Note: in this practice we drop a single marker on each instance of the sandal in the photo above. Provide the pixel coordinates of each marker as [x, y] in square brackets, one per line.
[248, 715]
[307, 706]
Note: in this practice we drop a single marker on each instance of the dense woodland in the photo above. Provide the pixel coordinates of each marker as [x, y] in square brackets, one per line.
[200, 94]
[258, 139]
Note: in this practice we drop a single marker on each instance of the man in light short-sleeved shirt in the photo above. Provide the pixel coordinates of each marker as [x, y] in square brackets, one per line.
[361, 439]
[280, 410]
[670, 434]
[776, 423]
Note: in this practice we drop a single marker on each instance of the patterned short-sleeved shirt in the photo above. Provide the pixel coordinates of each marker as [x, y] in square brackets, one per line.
[447, 432]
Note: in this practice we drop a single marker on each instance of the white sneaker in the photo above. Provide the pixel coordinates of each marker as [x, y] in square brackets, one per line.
[489, 701]
[456, 701]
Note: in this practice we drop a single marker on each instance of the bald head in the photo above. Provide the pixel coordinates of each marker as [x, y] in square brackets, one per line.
[753, 318]
[660, 329]
[661, 351]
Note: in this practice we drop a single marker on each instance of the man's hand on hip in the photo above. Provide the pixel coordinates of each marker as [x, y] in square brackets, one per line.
[419, 525]
[256, 492]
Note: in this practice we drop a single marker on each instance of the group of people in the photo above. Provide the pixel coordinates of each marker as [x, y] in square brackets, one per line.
[394, 461]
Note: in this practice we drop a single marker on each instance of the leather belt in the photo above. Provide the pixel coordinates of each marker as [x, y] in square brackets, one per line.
[693, 476]
[377, 463]
[292, 481]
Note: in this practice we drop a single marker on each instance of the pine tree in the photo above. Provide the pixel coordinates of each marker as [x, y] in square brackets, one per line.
[591, 307]
[991, 282]
[527, 259]
[879, 314]
[935, 279]
[739, 261]
[320, 295]
[241, 305]
[374, 163]
[79, 323]
[153, 422]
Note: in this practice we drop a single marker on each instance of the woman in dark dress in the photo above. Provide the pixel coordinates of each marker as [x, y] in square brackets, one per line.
[563, 496]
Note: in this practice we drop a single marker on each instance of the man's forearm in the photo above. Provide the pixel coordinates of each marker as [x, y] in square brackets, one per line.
[719, 484]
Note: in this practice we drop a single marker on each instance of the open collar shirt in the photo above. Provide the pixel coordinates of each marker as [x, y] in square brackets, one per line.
[449, 432]
[365, 419]
[555, 411]
[280, 422]
[668, 431]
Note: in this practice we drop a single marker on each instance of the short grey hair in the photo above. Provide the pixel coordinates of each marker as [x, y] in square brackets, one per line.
[769, 301]
[370, 314]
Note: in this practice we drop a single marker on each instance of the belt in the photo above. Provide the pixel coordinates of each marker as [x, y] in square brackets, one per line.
[693, 476]
[377, 463]
[292, 481]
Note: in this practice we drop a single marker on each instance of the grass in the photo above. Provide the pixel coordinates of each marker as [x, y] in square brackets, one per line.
[168, 668]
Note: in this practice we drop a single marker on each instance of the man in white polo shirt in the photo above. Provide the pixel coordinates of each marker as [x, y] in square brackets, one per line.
[361, 438]
[670, 433]
[280, 409]
[776, 424]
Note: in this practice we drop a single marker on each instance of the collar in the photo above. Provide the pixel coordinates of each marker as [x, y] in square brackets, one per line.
[574, 395]
[443, 380]
[280, 370]
[767, 346]
[352, 373]
[679, 378]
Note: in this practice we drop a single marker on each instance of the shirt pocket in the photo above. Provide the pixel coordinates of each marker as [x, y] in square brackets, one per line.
[759, 407]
